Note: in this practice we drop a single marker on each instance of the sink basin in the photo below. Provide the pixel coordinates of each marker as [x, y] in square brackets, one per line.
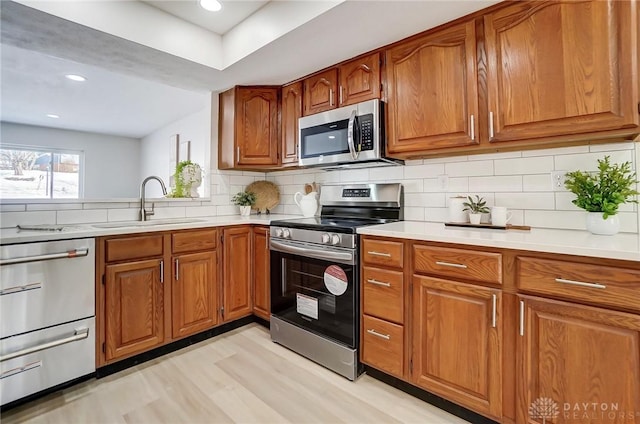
[150, 223]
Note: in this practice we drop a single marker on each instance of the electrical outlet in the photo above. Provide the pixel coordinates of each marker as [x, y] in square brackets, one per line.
[557, 180]
[443, 182]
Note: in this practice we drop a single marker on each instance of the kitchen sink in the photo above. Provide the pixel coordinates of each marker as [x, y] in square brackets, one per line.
[150, 223]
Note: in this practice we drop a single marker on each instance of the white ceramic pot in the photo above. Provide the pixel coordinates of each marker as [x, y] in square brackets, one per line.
[245, 210]
[475, 218]
[308, 203]
[605, 227]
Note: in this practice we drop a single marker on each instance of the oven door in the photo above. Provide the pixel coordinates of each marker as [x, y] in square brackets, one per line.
[315, 288]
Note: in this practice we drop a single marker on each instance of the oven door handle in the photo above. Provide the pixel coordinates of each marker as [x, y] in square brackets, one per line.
[343, 257]
[353, 122]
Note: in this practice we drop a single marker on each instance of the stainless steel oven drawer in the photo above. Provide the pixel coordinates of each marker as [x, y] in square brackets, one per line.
[45, 284]
[41, 359]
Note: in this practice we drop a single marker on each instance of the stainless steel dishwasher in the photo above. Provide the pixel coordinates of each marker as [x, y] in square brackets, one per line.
[47, 315]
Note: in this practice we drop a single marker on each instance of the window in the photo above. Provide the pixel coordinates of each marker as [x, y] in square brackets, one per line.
[40, 173]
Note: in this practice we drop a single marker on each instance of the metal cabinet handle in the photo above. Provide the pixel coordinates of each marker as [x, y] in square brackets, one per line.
[382, 336]
[20, 289]
[177, 270]
[378, 283]
[386, 255]
[522, 317]
[331, 97]
[451, 264]
[581, 283]
[490, 125]
[341, 101]
[75, 253]
[162, 271]
[494, 307]
[472, 129]
[78, 334]
[237, 154]
[20, 370]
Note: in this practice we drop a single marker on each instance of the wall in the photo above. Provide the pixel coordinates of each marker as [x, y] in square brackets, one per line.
[111, 162]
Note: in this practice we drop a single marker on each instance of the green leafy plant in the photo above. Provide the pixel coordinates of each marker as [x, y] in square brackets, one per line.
[605, 190]
[182, 188]
[244, 198]
[476, 206]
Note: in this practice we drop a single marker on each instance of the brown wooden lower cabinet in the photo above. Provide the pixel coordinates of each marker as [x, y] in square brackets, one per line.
[457, 343]
[261, 273]
[383, 345]
[583, 360]
[133, 297]
[237, 272]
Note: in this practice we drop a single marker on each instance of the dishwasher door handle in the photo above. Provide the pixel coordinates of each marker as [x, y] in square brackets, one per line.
[79, 334]
[75, 253]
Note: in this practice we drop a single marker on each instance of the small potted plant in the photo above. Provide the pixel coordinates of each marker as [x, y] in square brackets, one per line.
[187, 178]
[476, 208]
[244, 199]
[602, 192]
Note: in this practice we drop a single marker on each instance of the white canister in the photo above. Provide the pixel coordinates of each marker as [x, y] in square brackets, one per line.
[456, 213]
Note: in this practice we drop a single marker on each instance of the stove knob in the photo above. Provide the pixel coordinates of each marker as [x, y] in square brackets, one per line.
[326, 238]
[335, 239]
[286, 233]
[278, 232]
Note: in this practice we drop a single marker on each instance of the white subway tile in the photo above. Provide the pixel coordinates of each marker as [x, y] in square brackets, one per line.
[101, 205]
[589, 161]
[354, 175]
[451, 159]
[292, 210]
[424, 171]
[13, 207]
[502, 155]
[468, 169]
[517, 217]
[495, 184]
[53, 206]
[227, 210]
[556, 151]
[414, 214]
[533, 165]
[81, 216]
[608, 147]
[564, 202]
[459, 184]
[569, 220]
[242, 180]
[537, 182]
[129, 214]
[11, 219]
[168, 213]
[425, 199]
[386, 173]
[535, 200]
[628, 222]
[431, 185]
[201, 211]
[283, 179]
[436, 214]
[328, 177]
[220, 199]
[413, 186]
[413, 162]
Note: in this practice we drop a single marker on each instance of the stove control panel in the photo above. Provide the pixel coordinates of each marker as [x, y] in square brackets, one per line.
[314, 236]
[333, 239]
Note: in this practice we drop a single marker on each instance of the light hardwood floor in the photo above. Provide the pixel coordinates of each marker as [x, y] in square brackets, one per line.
[238, 377]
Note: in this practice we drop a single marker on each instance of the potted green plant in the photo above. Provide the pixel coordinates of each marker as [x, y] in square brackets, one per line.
[602, 192]
[187, 178]
[476, 208]
[244, 199]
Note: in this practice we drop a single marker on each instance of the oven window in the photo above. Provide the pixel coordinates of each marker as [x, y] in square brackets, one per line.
[328, 139]
[317, 295]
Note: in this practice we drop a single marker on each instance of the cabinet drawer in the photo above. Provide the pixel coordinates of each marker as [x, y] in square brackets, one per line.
[383, 294]
[382, 345]
[382, 252]
[189, 241]
[604, 285]
[134, 247]
[458, 263]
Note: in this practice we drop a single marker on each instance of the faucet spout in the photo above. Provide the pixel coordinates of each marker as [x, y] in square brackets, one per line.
[144, 213]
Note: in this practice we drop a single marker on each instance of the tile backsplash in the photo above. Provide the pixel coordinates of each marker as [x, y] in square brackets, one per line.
[521, 181]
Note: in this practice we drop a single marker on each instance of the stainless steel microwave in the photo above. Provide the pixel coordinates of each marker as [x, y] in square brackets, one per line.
[350, 136]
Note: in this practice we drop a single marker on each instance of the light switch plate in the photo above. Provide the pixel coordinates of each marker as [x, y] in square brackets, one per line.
[557, 180]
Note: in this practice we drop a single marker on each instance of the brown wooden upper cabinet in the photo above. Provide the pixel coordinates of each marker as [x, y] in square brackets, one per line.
[432, 95]
[248, 128]
[352, 82]
[291, 111]
[561, 67]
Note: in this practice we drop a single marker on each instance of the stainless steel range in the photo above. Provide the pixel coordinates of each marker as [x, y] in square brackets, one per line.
[315, 273]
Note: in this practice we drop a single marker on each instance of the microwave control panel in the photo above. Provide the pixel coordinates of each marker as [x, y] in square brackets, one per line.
[366, 132]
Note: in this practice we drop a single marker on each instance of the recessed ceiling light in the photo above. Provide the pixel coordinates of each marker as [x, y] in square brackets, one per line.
[52, 115]
[211, 5]
[74, 77]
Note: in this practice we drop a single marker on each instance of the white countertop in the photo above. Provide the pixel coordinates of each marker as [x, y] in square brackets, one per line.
[72, 231]
[582, 243]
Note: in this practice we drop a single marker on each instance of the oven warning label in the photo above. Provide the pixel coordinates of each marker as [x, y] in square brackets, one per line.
[335, 280]
[307, 305]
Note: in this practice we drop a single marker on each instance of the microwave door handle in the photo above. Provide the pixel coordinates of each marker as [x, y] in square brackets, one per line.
[351, 133]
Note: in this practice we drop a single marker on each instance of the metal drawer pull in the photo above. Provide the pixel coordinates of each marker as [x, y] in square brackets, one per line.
[522, 317]
[581, 283]
[451, 264]
[79, 334]
[378, 283]
[386, 255]
[472, 130]
[177, 270]
[20, 370]
[20, 289]
[76, 253]
[162, 271]
[382, 336]
[494, 302]
[490, 125]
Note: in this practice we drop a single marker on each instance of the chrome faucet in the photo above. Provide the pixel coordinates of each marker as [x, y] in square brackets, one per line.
[144, 213]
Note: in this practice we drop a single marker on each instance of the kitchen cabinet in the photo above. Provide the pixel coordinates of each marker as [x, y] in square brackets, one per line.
[291, 111]
[560, 68]
[261, 273]
[237, 273]
[432, 94]
[581, 356]
[248, 128]
[320, 92]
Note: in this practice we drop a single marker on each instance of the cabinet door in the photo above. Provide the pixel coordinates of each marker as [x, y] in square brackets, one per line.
[320, 92]
[583, 360]
[237, 273]
[359, 80]
[432, 91]
[457, 339]
[561, 67]
[257, 136]
[134, 308]
[194, 293]
[261, 275]
[291, 112]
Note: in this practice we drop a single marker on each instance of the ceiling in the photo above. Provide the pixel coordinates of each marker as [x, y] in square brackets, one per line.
[133, 87]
